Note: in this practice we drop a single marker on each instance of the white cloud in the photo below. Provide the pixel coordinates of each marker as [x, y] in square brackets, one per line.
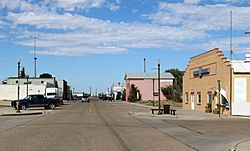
[208, 17]
[192, 1]
[178, 26]
[70, 5]
[113, 7]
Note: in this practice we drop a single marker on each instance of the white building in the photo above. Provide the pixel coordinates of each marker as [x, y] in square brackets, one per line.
[9, 87]
[241, 87]
[117, 89]
[10, 92]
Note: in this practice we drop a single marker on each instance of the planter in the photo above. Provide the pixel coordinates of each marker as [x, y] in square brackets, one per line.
[216, 111]
[208, 110]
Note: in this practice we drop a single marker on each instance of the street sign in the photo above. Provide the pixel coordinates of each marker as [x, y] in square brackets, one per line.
[156, 93]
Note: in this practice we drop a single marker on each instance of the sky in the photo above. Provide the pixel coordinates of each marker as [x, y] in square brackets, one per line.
[93, 43]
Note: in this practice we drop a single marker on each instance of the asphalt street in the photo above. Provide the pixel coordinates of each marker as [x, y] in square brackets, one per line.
[95, 126]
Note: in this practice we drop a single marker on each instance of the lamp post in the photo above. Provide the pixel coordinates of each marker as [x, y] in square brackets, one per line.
[218, 81]
[27, 76]
[18, 87]
[159, 87]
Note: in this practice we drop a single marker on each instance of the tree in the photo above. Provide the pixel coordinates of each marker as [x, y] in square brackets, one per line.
[118, 96]
[22, 73]
[177, 85]
[45, 75]
[124, 95]
[134, 94]
[168, 92]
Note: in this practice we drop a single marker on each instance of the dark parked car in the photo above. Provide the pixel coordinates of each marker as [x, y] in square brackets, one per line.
[36, 100]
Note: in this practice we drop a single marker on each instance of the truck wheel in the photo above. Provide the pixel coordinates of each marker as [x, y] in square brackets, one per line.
[52, 106]
[23, 107]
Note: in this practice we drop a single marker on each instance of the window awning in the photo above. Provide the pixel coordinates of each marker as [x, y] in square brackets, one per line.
[223, 93]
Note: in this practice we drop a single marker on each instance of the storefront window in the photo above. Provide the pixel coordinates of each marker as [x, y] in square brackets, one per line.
[198, 98]
[210, 97]
[186, 98]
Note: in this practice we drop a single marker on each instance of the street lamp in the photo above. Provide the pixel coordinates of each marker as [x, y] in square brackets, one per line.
[18, 87]
[27, 76]
[159, 87]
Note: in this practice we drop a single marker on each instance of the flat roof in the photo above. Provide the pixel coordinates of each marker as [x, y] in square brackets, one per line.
[142, 75]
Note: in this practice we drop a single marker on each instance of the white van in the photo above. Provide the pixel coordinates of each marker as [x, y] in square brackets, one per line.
[52, 93]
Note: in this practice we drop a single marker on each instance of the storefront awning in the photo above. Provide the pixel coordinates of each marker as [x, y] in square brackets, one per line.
[223, 93]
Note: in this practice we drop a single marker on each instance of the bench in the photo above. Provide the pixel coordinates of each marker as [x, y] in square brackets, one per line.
[153, 110]
[172, 111]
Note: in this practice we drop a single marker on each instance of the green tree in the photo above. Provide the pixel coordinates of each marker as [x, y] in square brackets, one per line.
[118, 96]
[45, 75]
[22, 73]
[124, 95]
[177, 85]
[168, 92]
[134, 94]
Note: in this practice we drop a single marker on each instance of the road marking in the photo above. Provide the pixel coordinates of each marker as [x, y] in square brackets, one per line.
[90, 108]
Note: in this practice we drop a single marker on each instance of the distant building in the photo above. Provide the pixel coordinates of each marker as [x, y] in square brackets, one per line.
[9, 87]
[118, 89]
[147, 83]
[200, 86]
[65, 89]
[49, 82]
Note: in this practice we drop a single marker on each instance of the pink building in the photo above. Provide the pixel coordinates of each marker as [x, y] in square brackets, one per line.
[147, 83]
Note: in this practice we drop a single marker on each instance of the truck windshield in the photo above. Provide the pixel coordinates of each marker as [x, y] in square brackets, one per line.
[28, 97]
[51, 93]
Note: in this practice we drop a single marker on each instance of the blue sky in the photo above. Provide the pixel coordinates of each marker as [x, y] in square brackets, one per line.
[93, 43]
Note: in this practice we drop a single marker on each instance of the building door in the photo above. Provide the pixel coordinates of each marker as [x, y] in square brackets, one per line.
[192, 101]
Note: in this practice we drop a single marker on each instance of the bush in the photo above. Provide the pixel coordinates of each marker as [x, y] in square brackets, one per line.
[118, 96]
[168, 92]
[124, 95]
[134, 94]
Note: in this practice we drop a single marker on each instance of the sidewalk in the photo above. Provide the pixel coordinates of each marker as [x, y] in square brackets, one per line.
[9, 111]
[243, 145]
[181, 114]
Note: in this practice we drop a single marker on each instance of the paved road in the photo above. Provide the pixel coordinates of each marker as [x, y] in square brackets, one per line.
[95, 126]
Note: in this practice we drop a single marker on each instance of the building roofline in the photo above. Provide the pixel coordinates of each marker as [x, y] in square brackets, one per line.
[218, 49]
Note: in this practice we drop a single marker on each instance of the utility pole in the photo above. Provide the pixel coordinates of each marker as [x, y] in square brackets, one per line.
[35, 58]
[218, 81]
[153, 92]
[90, 90]
[144, 65]
[18, 86]
[159, 86]
[27, 76]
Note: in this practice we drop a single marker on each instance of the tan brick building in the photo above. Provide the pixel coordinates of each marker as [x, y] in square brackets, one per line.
[200, 85]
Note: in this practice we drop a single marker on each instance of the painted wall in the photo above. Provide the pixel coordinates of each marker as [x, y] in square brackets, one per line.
[241, 95]
[9, 92]
[146, 87]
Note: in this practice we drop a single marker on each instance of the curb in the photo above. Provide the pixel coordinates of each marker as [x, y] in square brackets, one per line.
[153, 115]
[21, 114]
[238, 143]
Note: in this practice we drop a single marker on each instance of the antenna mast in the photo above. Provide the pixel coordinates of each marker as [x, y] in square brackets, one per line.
[231, 54]
[231, 35]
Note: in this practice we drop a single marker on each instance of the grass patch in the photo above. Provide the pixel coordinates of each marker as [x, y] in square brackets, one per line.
[163, 102]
